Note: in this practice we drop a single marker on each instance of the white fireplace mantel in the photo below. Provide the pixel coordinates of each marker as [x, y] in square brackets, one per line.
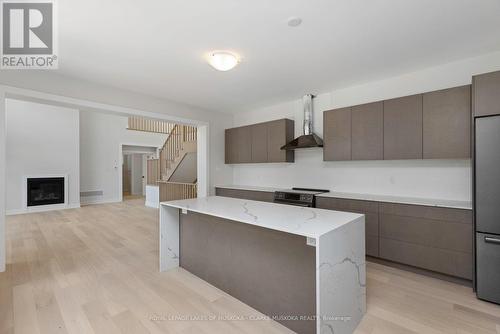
[41, 208]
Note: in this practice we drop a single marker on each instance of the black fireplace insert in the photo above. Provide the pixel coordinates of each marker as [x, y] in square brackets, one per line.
[45, 191]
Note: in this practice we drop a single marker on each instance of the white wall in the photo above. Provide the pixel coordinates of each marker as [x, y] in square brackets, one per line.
[41, 140]
[448, 179]
[152, 196]
[52, 83]
[2, 181]
[186, 171]
[101, 136]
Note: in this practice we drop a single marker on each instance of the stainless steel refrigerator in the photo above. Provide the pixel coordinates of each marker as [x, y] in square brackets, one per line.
[487, 207]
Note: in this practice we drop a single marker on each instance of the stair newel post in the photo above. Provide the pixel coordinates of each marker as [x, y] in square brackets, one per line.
[165, 160]
[162, 162]
[182, 136]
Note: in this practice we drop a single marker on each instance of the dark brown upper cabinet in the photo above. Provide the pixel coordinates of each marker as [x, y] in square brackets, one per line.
[279, 133]
[337, 134]
[485, 92]
[434, 125]
[238, 145]
[446, 123]
[403, 128]
[244, 140]
[231, 148]
[259, 143]
[368, 131]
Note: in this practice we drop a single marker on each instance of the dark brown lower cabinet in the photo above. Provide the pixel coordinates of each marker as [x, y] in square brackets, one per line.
[368, 208]
[432, 238]
[437, 239]
[263, 196]
[435, 259]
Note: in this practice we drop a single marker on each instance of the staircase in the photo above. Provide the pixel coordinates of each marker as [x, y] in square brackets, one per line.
[175, 169]
[180, 142]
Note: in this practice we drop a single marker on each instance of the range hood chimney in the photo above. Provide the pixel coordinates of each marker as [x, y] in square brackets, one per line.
[308, 139]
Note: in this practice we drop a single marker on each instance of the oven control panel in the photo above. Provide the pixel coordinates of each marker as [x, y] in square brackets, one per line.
[294, 198]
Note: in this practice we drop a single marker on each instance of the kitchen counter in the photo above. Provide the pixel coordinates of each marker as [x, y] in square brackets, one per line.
[303, 221]
[282, 260]
[253, 188]
[444, 203]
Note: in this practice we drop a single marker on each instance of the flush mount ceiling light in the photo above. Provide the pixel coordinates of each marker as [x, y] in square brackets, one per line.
[294, 21]
[223, 60]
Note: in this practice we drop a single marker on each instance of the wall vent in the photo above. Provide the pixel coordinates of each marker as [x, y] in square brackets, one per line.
[91, 193]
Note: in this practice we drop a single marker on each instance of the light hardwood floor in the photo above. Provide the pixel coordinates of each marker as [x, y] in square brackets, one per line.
[95, 270]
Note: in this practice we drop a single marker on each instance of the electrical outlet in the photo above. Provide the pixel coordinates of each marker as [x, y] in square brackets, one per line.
[311, 241]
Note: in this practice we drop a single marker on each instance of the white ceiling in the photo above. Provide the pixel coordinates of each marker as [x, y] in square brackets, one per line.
[157, 47]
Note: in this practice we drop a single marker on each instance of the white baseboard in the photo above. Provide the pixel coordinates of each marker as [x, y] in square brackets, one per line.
[15, 212]
[101, 201]
[42, 208]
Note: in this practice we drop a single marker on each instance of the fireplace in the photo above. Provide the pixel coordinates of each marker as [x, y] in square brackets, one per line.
[45, 191]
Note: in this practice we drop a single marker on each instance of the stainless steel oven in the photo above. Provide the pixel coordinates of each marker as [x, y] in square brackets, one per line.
[298, 196]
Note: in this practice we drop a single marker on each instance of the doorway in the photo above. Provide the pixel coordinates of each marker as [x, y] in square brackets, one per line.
[127, 175]
[134, 170]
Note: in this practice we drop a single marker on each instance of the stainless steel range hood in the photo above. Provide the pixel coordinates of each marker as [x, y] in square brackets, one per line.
[308, 139]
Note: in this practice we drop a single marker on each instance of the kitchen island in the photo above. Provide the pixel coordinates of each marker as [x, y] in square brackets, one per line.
[303, 267]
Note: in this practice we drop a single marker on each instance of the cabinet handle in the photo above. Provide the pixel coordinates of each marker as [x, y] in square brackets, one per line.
[492, 240]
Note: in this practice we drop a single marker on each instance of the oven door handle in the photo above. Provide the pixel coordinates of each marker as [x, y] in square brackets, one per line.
[295, 204]
[492, 240]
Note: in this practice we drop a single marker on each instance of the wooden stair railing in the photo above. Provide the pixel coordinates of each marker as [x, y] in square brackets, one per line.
[190, 133]
[170, 191]
[180, 141]
[149, 125]
[153, 172]
[182, 137]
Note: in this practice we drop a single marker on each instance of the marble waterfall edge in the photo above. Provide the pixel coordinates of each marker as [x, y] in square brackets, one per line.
[339, 239]
[341, 279]
[169, 237]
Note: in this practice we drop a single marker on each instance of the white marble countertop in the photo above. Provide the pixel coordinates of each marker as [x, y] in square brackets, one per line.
[402, 200]
[253, 188]
[444, 203]
[307, 222]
